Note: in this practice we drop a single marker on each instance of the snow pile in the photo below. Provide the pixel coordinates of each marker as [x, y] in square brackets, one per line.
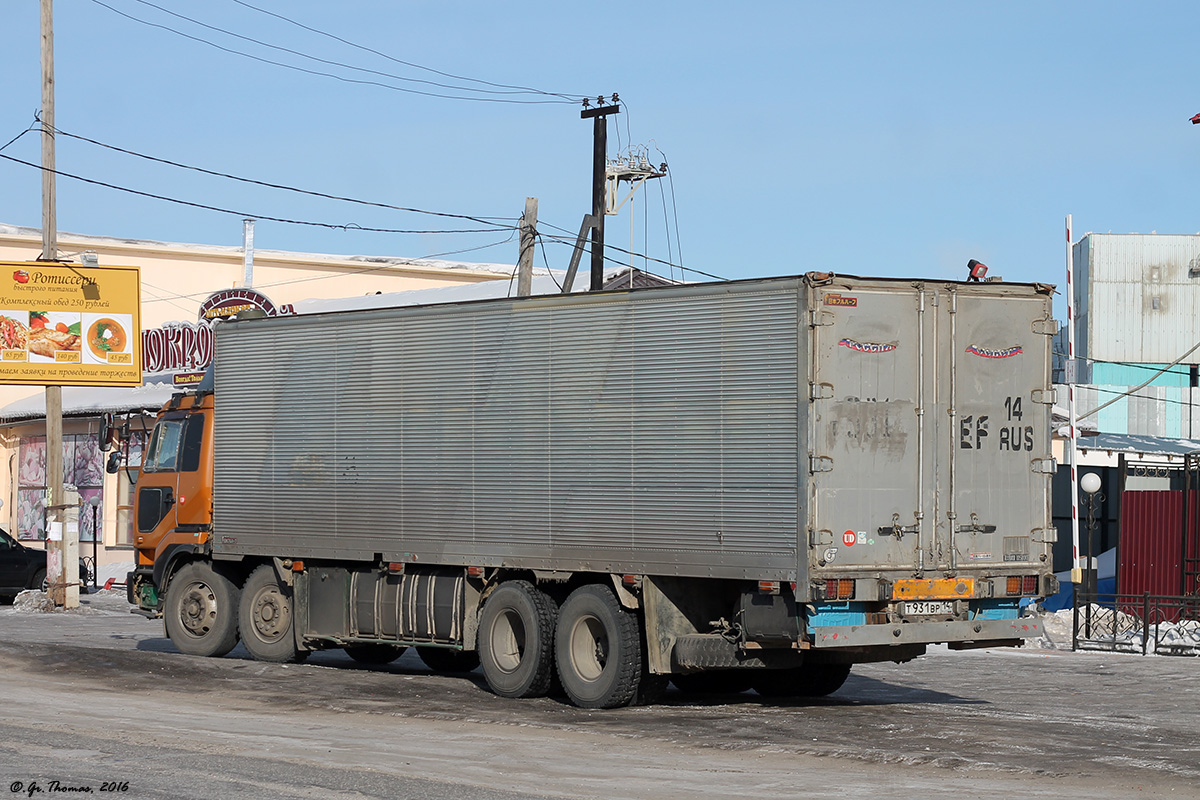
[116, 571]
[1118, 631]
[31, 601]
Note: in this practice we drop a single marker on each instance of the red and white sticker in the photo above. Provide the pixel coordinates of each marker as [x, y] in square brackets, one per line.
[849, 538]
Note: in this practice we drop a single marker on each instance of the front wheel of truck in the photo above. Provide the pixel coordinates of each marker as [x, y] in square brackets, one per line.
[201, 611]
[266, 618]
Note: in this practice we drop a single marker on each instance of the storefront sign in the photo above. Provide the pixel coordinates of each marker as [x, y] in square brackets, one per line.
[67, 325]
[231, 302]
[188, 347]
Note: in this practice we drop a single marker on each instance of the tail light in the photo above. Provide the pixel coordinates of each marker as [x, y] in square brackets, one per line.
[839, 588]
[1016, 585]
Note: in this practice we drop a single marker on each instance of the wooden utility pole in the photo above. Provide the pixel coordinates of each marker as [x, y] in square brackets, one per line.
[599, 116]
[528, 238]
[62, 566]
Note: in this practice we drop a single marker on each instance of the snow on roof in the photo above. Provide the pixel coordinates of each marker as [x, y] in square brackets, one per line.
[291, 255]
[92, 401]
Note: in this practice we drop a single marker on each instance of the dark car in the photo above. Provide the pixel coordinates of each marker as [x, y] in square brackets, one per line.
[24, 567]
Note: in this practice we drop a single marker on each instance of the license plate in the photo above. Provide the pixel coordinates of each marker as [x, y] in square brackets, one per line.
[924, 608]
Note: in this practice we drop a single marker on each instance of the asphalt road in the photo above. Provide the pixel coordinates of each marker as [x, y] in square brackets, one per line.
[100, 699]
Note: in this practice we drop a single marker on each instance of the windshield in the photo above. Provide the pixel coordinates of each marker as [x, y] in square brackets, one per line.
[164, 446]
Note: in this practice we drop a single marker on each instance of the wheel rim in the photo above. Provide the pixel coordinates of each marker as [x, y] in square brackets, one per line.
[198, 609]
[508, 641]
[589, 648]
[272, 618]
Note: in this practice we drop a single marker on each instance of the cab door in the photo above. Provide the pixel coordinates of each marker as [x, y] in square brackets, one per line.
[172, 458]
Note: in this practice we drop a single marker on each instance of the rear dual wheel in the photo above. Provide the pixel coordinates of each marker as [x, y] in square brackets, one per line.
[598, 649]
[516, 640]
[809, 680]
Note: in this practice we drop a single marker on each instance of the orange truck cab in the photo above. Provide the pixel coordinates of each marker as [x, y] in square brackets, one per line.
[174, 500]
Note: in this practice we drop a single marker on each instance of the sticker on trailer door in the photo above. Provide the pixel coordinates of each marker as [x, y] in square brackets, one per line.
[844, 300]
[988, 352]
[869, 347]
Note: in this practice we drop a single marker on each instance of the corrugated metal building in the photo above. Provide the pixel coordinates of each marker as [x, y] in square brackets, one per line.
[1137, 301]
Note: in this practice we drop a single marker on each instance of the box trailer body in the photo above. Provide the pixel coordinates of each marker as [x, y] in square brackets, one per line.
[867, 461]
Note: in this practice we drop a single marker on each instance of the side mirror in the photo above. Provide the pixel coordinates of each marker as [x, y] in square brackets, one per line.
[114, 463]
[106, 432]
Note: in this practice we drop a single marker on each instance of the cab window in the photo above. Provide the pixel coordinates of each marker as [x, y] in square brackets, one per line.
[163, 452]
[175, 445]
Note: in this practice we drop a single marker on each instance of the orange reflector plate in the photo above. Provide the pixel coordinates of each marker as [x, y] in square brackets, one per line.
[937, 589]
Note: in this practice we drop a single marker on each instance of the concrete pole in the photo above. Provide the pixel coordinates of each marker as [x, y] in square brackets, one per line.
[525, 257]
[247, 253]
[59, 568]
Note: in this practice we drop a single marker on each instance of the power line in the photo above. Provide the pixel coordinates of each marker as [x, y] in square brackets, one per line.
[283, 187]
[569, 240]
[243, 214]
[565, 96]
[328, 61]
[284, 65]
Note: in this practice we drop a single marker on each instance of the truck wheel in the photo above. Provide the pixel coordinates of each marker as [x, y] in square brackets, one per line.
[809, 680]
[718, 681]
[266, 618]
[516, 640]
[39, 581]
[374, 653]
[201, 611]
[818, 680]
[440, 659]
[598, 649]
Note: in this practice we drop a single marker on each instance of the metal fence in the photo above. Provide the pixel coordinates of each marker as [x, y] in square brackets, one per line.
[1132, 623]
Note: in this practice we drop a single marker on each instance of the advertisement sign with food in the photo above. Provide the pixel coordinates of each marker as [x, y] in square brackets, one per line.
[69, 325]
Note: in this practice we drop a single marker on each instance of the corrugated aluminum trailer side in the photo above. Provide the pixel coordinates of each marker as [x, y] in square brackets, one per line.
[649, 432]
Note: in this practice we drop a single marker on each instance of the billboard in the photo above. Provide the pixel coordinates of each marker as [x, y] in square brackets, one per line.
[68, 325]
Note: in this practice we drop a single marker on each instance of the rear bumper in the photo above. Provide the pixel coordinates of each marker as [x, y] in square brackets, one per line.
[977, 631]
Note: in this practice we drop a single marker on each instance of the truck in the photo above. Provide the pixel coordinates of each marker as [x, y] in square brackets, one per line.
[728, 485]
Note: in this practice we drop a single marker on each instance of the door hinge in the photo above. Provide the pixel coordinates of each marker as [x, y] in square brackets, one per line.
[818, 538]
[1046, 327]
[821, 317]
[1044, 465]
[820, 464]
[1043, 396]
[1044, 535]
[820, 391]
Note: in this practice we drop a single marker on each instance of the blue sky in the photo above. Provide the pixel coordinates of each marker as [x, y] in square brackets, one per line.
[876, 138]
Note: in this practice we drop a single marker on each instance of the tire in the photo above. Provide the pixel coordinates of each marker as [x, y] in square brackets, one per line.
[374, 653]
[516, 640]
[809, 680]
[819, 680]
[598, 649]
[201, 611]
[440, 659]
[720, 681]
[38, 581]
[266, 619]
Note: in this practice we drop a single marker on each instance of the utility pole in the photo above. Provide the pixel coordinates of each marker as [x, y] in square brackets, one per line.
[61, 558]
[599, 117]
[525, 258]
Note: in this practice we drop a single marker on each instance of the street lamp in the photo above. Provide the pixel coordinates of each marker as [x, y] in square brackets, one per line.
[94, 502]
